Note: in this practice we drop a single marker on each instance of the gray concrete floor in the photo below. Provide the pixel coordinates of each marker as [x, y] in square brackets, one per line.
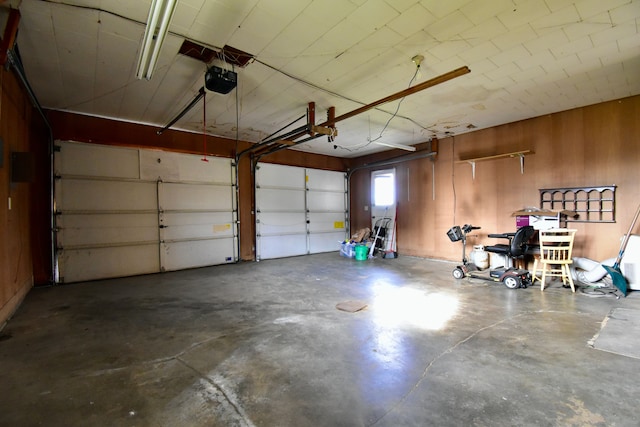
[262, 344]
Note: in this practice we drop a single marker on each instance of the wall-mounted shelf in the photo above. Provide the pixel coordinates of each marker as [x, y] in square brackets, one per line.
[518, 154]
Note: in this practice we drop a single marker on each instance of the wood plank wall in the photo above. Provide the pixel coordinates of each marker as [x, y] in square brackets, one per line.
[591, 146]
[17, 125]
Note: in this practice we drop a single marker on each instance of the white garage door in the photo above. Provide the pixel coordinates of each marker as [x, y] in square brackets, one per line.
[298, 211]
[123, 211]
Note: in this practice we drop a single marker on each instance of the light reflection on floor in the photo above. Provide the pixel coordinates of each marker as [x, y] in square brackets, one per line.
[397, 314]
[395, 306]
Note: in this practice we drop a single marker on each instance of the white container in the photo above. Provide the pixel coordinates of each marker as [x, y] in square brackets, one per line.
[498, 260]
[480, 257]
[630, 264]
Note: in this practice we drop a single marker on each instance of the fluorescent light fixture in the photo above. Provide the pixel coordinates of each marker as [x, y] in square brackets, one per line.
[158, 20]
[394, 145]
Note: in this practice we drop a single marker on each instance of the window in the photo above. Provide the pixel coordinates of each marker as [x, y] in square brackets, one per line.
[384, 188]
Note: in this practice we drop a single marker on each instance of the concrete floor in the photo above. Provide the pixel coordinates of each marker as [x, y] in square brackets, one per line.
[262, 344]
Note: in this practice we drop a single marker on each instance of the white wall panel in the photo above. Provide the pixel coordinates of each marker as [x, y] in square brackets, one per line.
[106, 229]
[97, 161]
[323, 222]
[325, 242]
[324, 201]
[176, 196]
[196, 253]
[275, 223]
[325, 180]
[194, 225]
[279, 176]
[167, 166]
[78, 265]
[99, 196]
[280, 200]
[282, 246]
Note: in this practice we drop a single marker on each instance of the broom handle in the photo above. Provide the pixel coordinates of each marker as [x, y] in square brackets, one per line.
[623, 246]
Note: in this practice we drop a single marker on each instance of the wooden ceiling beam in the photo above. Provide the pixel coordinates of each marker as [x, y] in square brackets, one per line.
[9, 36]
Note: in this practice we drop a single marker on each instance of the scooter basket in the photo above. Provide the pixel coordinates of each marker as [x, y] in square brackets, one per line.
[454, 233]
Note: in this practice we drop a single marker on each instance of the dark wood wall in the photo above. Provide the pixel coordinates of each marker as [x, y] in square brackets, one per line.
[21, 240]
[591, 146]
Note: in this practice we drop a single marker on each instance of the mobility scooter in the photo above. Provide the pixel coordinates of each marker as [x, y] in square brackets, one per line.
[511, 277]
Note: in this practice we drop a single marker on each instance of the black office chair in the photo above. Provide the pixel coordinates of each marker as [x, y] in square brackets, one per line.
[517, 246]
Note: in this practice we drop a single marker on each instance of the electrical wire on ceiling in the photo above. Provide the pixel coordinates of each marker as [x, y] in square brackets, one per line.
[330, 92]
[255, 59]
[397, 108]
[369, 140]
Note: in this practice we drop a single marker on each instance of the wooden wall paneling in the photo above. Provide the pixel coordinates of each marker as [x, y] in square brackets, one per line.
[593, 145]
[16, 268]
[415, 200]
[610, 159]
[40, 202]
[360, 199]
[246, 204]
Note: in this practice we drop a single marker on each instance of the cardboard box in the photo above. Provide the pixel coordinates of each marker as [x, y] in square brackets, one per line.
[542, 219]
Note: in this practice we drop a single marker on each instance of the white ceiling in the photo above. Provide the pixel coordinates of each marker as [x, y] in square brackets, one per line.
[527, 58]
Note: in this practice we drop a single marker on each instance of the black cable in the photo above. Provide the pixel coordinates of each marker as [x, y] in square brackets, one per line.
[398, 107]
[255, 59]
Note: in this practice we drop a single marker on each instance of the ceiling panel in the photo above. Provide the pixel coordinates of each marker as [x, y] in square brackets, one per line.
[411, 21]
[527, 58]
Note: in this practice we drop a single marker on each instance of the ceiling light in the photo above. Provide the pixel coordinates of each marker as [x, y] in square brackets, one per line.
[158, 20]
[395, 145]
[418, 60]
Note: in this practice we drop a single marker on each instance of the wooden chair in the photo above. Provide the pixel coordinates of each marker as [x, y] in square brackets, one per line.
[556, 246]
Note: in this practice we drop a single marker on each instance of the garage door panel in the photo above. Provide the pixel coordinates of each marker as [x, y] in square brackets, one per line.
[325, 180]
[321, 222]
[298, 206]
[175, 196]
[200, 253]
[282, 246]
[282, 223]
[194, 225]
[270, 175]
[166, 166]
[97, 161]
[325, 201]
[113, 225]
[106, 229]
[96, 195]
[325, 242]
[280, 200]
[101, 263]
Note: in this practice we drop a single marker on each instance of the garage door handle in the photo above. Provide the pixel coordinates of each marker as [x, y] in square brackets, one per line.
[163, 226]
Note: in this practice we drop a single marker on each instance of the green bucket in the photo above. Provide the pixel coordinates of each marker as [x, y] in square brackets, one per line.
[361, 252]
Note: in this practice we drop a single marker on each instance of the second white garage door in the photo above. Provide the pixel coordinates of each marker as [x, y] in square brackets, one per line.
[299, 211]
